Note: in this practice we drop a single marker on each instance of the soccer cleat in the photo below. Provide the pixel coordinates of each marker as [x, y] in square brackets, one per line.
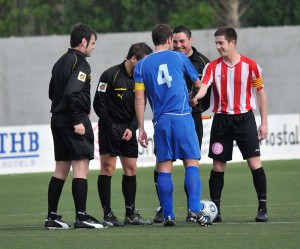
[136, 219]
[189, 218]
[169, 222]
[112, 220]
[55, 222]
[87, 221]
[199, 218]
[262, 216]
[218, 219]
[159, 215]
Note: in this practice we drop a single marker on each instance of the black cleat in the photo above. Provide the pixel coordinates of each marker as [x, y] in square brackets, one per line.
[87, 221]
[189, 218]
[169, 222]
[262, 216]
[136, 219]
[159, 215]
[112, 220]
[55, 222]
[199, 218]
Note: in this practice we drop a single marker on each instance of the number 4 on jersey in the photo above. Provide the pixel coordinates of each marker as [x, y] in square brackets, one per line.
[163, 76]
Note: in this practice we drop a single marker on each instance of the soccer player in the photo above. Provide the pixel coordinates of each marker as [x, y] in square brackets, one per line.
[183, 42]
[236, 80]
[73, 137]
[161, 75]
[114, 105]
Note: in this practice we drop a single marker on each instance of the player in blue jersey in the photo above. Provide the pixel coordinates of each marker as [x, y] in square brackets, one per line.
[161, 76]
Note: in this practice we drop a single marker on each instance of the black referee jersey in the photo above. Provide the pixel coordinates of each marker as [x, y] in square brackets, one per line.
[70, 86]
[114, 98]
[199, 61]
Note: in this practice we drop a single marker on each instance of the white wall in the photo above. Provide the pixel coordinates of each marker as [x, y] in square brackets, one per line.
[26, 63]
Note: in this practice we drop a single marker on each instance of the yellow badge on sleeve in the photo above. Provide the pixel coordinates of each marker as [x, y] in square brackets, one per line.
[81, 76]
[102, 87]
[139, 86]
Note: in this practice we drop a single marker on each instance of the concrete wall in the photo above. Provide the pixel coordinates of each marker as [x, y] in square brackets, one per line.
[26, 63]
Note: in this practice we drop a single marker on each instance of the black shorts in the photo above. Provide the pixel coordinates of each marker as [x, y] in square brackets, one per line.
[68, 145]
[198, 126]
[111, 142]
[227, 128]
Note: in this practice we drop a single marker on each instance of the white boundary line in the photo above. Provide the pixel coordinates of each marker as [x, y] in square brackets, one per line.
[214, 224]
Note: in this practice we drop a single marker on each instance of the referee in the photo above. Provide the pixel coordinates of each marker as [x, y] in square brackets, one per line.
[69, 92]
[114, 105]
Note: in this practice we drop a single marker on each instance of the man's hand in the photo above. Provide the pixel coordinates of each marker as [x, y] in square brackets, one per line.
[79, 129]
[143, 140]
[262, 132]
[127, 135]
[193, 102]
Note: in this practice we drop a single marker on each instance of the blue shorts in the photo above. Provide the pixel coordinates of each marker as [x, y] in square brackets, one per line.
[175, 138]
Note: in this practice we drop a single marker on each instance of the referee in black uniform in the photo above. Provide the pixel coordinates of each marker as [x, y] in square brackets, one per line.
[114, 105]
[73, 137]
[182, 42]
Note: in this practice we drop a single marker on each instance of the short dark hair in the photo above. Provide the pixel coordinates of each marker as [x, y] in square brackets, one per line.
[139, 50]
[80, 31]
[183, 29]
[228, 32]
[161, 33]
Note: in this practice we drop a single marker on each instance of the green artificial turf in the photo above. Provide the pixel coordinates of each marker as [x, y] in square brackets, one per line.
[24, 205]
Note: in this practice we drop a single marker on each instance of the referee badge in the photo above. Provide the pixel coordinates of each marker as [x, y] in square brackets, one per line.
[102, 87]
[81, 76]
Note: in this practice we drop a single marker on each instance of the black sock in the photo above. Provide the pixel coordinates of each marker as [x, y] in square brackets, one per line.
[79, 191]
[54, 192]
[216, 184]
[104, 191]
[260, 184]
[155, 183]
[129, 193]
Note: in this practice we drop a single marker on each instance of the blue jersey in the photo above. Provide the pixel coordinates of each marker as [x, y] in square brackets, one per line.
[163, 74]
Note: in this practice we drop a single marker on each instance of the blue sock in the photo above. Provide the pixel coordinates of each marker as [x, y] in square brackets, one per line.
[165, 191]
[192, 183]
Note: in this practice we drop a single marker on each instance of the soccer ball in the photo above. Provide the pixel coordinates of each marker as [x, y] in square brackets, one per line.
[209, 210]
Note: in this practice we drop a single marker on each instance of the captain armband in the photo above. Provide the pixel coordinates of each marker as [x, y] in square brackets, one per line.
[139, 86]
[258, 83]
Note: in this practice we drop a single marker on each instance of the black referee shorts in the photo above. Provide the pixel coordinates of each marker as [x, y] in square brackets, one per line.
[111, 142]
[227, 128]
[198, 126]
[68, 145]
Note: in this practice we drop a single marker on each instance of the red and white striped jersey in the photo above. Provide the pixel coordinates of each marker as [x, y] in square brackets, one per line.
[233, 87]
